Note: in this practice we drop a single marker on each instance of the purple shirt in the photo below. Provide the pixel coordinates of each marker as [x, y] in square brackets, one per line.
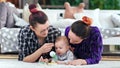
[90, 48]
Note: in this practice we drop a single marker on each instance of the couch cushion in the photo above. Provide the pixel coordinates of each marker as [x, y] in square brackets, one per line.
[9, 40]
[105, 19]
[109, 32]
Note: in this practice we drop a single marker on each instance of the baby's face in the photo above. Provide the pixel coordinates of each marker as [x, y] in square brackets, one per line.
[61, 48]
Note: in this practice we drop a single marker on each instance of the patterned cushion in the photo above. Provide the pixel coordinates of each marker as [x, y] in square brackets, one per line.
[109, 32]
[9, 40]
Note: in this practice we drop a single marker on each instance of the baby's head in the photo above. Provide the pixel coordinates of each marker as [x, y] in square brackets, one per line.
[61, 45]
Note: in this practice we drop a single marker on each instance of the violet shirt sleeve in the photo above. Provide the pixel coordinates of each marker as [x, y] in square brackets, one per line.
[96, 47]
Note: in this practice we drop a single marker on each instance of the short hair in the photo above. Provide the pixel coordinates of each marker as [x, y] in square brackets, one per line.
[62, 38]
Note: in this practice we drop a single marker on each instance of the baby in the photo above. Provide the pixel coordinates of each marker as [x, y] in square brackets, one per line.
[62, 50]
[70, 11]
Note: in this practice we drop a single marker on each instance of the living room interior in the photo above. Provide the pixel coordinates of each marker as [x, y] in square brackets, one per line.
[105, 15]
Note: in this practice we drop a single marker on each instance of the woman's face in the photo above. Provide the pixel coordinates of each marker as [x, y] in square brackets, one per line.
[41, 30]
[73, 38]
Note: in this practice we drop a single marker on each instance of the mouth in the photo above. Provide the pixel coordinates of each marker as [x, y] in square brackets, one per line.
[58, 53]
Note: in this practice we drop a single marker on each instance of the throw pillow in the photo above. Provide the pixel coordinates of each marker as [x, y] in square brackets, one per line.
[9, 40]
[116, 19]
[19, 22]
[94, 14]
[63, 23]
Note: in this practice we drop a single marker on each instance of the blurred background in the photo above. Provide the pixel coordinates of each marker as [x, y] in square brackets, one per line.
[90, 4]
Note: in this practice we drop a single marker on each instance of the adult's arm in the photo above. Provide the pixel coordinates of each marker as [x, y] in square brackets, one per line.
[24, 49]
[96, 48]
[25, 53]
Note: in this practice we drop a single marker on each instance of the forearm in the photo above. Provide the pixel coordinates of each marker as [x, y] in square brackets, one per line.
[33, 57]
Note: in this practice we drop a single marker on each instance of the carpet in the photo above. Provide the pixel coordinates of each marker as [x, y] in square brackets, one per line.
[14, 63]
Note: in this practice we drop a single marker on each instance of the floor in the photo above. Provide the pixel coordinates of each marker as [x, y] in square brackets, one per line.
[10, 61]
[14, 63]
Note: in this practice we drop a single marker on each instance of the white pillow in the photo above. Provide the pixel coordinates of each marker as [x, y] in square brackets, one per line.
[53, 15]
[19, 21]
[116, 19]
[26, 13]
[63, 23]
[94, 14]
[105, 19]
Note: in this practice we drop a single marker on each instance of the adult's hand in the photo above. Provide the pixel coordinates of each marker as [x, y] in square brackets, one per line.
[46, 47]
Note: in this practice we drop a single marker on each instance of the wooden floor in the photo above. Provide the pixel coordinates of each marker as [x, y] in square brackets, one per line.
[8, 56]
[104, 58]
[111, 58]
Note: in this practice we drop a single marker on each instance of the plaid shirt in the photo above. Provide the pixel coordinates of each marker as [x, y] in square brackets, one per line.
[28, 41]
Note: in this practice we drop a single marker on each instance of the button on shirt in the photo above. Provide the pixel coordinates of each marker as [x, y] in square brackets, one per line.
[28, 41]
[90, 48]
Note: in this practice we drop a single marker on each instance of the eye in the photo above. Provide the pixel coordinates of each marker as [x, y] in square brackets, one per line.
[60, 47]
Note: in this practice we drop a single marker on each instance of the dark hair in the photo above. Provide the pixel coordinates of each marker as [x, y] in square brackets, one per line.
[36, 16]
[81, 29]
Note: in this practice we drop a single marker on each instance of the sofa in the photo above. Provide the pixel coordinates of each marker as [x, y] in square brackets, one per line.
[105, 20]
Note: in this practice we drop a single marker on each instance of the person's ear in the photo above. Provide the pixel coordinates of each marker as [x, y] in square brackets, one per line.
[32, 28]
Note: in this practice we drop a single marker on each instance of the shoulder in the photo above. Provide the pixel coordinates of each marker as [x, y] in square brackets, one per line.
[25, 30]
[95, 33]
[94, 29]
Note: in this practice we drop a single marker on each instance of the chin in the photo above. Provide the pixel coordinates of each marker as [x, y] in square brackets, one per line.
[44, 35]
